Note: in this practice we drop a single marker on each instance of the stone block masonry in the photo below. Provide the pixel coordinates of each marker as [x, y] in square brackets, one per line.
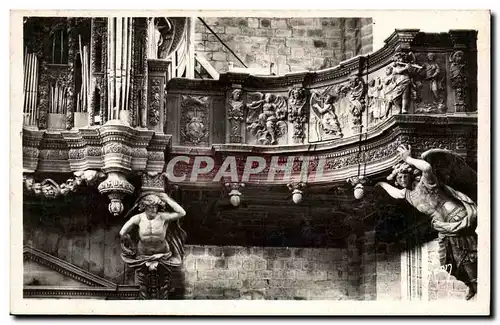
[235, 272]
[291, 44]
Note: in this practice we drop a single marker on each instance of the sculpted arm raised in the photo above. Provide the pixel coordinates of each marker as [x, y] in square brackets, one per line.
[422, 165]
[396, 193]
[178, 213]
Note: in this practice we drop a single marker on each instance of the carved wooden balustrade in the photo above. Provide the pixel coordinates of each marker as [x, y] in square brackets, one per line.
[329, 125]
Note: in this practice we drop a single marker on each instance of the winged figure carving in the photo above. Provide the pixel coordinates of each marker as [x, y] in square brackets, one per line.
[267, 117]
[442, 186]
[323, 107]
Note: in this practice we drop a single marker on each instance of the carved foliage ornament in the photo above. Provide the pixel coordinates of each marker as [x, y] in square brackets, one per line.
[154, 108]
[297, 113]
[51, 190]
[266, 117]
[194, 120]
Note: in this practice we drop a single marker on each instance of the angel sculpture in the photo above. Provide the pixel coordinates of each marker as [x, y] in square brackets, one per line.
[266, 116]
[160, 244]
[324, 110]
[436, 185]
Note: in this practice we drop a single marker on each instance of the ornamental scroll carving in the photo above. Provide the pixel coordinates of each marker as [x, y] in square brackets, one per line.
[51, 190]
[154, 109]
[194, 120]
[297, 112]
[266, 117]
[458, 77]
[235, 113]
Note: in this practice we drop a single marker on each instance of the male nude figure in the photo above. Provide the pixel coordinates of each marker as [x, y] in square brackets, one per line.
[153, 225]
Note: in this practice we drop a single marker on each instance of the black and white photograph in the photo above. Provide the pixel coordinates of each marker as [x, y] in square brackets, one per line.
[228, 157]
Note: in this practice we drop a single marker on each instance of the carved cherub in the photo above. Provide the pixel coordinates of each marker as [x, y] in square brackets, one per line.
[266, 115]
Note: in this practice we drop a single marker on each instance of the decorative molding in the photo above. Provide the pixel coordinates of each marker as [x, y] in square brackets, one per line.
[65, 268]
[119, 292]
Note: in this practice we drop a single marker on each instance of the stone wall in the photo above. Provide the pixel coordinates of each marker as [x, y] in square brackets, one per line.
[80, 231]
[235, 272]
[292, 44]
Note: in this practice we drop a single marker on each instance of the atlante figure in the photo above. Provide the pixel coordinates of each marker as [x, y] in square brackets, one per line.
[436, 185]
[160, 245]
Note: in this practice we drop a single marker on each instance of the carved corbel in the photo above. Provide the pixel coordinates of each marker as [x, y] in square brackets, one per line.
[297, 112]
[297, 191]
[234, 192]
[116, 187]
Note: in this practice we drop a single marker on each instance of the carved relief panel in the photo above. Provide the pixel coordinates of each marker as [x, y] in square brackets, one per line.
[195, 121]
[337, 111]
[266, 120]
[324, 123]
[395, 88]
[430, 83]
